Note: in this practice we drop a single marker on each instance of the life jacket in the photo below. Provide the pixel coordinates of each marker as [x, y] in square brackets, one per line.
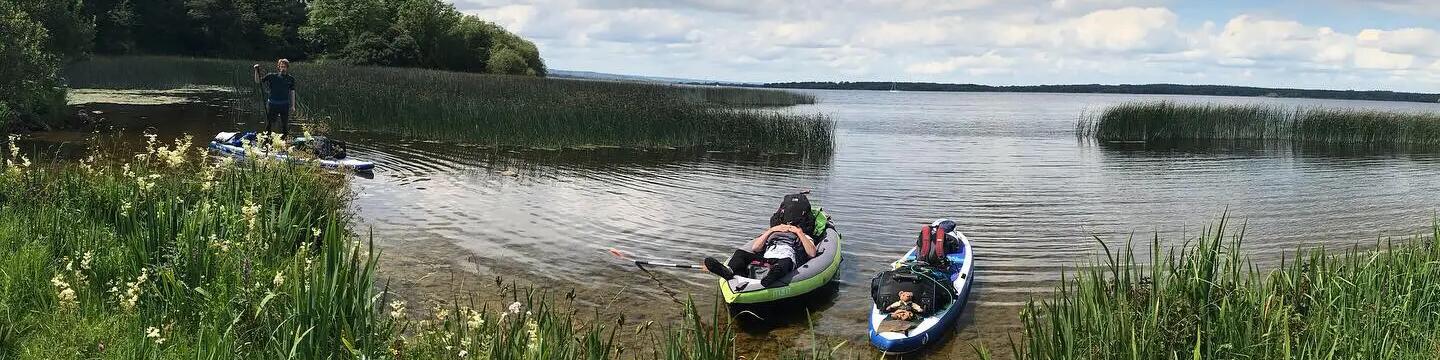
[932, 247]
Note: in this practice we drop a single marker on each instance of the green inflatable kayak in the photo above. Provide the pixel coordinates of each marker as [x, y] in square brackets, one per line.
[809, 276]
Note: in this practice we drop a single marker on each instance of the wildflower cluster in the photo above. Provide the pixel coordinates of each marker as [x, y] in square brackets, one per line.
[153, 333]
[131, 297]
[64, 293]
[18, 162]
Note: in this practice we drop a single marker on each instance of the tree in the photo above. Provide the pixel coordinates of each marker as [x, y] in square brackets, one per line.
[424, 33]
[334, 24]
[69, 33]
[430, 24]
[29, 87]
[524, 49]
[114, 25]
[505, 60]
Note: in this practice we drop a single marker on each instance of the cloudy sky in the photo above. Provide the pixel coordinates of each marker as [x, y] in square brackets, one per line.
[1333, 44]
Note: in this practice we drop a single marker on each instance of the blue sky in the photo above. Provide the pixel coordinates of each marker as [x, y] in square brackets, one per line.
[1332, 44]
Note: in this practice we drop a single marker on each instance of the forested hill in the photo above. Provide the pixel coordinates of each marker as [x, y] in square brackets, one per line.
[37, 37]
[407, 33]
[1160, 89]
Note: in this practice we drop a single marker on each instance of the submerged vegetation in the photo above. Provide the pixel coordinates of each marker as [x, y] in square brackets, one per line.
[1171, 122]
[167, 254]
[500, 110]
[1208, 301]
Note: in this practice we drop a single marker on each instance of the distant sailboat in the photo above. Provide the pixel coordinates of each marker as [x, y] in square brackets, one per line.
[892, 87]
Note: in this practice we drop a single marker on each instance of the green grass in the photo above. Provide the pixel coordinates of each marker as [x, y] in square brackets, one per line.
[1171, 122]
[1208, 301]
[499, 110]
[168, 254]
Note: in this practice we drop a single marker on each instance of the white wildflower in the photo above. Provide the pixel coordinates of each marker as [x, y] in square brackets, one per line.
[441, 312]
[251, 211]
[154, 333]
[132, 291]
[63, 292]
[279, 279]
[397, 309]
[475, 321]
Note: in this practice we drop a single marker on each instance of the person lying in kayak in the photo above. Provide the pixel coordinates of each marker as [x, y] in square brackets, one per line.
[781, 248]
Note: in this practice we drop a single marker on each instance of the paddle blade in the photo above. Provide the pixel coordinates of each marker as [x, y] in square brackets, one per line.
[618, 254]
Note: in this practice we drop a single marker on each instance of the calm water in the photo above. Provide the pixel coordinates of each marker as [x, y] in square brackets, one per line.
[1006, 167]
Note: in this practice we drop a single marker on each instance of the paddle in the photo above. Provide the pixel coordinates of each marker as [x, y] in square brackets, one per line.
[643, 263]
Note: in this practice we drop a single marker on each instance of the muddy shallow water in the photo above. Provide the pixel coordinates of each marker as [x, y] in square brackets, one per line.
[1006, 167]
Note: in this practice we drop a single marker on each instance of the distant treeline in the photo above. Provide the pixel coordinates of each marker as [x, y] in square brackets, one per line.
[1159, 89]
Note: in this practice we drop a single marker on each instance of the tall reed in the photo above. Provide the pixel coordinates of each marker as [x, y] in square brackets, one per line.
[1165, 121]
[167, 254]
[1207, 301]
[500, 110]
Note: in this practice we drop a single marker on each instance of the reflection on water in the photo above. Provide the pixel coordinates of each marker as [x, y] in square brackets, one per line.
[1006, 167]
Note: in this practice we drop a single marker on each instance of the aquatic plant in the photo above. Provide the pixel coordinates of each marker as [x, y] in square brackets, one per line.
[1208, 301]
[165, 253]
[500, 110]
[1165, 121]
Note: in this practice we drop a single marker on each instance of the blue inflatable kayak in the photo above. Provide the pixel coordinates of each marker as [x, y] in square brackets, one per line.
[232, 144]
[932, 326]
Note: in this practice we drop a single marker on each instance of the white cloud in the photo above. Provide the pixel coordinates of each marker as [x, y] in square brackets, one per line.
[986, 64]
[513, 17]
[811, 34]
[1055, 41]
[1249, 40]
[1082, 6]
[1126, 29]
[1367, 58]
[1414, 41]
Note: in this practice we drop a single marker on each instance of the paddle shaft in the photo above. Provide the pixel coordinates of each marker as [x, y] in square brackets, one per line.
[643, 263]
[661, 264]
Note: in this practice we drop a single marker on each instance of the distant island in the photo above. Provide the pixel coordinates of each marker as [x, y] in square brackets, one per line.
[1148, 89]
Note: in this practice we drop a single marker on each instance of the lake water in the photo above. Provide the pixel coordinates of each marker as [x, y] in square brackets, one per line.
[1006, 167]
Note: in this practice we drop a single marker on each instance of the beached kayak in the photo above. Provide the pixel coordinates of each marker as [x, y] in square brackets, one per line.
[933, 323]
[807, 277]
[232, 144]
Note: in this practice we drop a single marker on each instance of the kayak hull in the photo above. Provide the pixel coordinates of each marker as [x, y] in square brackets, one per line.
[811, 275]
[222, 147]
[931, 329]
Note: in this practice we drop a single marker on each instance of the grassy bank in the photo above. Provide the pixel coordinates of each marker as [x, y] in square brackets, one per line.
[1207, 301]
[500, 110]
[1172, 122]
[169, 254]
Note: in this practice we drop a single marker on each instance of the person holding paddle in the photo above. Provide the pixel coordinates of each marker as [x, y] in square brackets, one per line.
[281, 100]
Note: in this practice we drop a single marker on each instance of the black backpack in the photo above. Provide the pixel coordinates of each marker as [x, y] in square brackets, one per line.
[795, 210]
[928, 290]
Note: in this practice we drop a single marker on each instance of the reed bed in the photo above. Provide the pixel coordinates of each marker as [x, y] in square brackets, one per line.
[500, 110]
[1165, 121]
[1207, 301]
[167, 254]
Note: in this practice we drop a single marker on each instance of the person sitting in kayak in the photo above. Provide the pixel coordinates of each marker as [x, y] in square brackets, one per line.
[781, 248]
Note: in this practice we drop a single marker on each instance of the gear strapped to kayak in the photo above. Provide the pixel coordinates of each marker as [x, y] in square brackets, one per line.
[920, 297]
[782, 267]
[328, 153]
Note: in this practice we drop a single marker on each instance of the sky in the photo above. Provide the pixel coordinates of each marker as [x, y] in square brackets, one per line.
[1326, 44]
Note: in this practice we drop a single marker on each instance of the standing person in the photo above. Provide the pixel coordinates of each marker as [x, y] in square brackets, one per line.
[281, 100]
